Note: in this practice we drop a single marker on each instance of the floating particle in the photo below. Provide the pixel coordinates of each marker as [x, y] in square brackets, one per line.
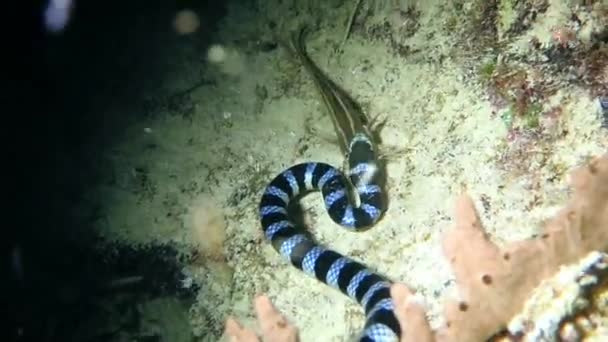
[186, 22]
[57, 15]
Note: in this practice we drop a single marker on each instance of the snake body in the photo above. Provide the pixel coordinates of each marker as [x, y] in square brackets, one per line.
[340, 191]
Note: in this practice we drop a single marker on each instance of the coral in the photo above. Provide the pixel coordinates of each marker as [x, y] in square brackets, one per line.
[208, 269]
[569, 294]
[493, 282]
[273, 325]
[208, 228]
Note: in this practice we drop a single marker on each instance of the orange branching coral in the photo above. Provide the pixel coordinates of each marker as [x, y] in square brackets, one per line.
[495, 282]
[274, 326]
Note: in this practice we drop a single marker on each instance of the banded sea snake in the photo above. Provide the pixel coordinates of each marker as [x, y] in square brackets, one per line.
[365, 178]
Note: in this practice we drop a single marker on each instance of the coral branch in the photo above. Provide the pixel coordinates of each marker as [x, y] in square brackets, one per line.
[494, 282]
[273, 325]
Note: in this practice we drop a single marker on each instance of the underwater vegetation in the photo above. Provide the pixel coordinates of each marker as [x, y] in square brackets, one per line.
[535, 56]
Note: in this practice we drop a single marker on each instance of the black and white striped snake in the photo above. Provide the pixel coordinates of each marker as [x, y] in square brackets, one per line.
[340, 193]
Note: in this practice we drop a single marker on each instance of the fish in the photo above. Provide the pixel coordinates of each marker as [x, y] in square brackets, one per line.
[351, 124]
